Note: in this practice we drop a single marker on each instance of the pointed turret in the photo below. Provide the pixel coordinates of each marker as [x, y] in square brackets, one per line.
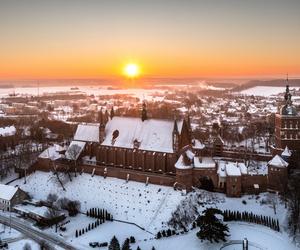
[102, 126]
[112, 112]
[189, 126]
[100, 116]
[106, 116]
[144, 112]
[175, 137]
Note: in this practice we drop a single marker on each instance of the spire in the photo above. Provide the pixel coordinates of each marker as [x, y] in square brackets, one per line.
[175, 137]
[100, 116]
[175, 127]
[144, 112]
[287, 95]
[112, 112]
[189, 121]
[106, 115]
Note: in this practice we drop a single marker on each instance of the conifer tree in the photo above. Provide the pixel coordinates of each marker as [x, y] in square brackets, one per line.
[76, 234]
[126, 245]
[138, 248]
[211, 228]
[114, 244]
[158, 236]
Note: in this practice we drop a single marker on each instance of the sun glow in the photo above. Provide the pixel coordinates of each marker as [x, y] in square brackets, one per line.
[131, 70]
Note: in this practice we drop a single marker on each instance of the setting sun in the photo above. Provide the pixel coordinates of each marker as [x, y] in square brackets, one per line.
[131, 70]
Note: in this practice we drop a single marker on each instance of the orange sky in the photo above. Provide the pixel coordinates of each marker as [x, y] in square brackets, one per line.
[167, 39]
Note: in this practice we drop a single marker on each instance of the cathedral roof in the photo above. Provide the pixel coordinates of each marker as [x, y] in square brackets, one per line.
[150, 134]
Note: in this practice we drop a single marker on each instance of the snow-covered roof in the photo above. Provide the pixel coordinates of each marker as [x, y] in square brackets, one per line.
[50, 153]
[277, 161]
[42, 211]
[87, 133]
[190, 154]
[232, 169]
[8, 131]
[60, 148]
[221, 170]
[242, 168]
[205, 162]
[7, 192]
[180, 164]
[286, 152]
[77, 146]
[197, 144]
[151, 134]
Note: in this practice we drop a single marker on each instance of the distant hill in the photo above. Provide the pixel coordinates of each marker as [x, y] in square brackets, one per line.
[273, 83]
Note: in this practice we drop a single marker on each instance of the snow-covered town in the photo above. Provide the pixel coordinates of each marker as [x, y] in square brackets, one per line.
[146, 168]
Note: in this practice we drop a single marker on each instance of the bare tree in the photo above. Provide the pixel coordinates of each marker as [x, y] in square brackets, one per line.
[73, 153]
[25, 157]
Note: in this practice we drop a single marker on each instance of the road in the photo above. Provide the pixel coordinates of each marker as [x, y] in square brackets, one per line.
[35, 234]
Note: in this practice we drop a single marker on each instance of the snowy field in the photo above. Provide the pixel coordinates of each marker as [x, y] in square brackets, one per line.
[263, 91]
[126, 201]
[151, 207]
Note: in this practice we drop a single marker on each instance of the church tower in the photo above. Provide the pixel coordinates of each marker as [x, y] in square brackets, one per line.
[287, 125]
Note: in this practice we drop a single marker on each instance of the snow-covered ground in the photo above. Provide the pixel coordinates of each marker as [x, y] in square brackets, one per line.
[15, 239]
[126, 201]
[263, 91]
[151, 207]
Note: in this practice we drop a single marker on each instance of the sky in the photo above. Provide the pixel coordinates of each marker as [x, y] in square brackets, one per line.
[166, 38]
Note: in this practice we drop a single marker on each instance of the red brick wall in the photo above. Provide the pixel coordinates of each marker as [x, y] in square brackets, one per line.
[248, 182]
[277, 178]
[134, 175]
[184, 177]
[233, 186]
[209, 172]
